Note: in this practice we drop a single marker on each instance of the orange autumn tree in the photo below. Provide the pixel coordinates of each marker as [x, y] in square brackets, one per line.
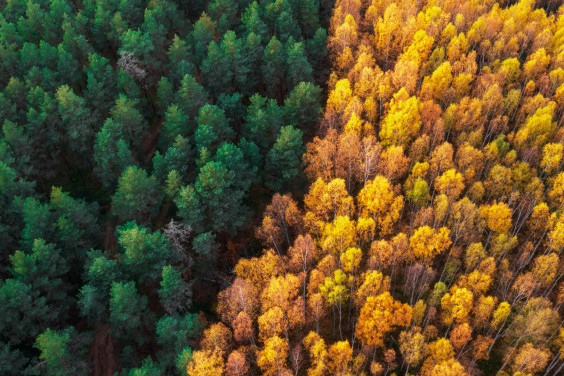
[380, 315]
[205, 363]
[378, 201]
[272, 359]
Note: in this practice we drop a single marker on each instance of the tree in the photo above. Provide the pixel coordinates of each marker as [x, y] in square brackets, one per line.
[320, 157]
[178, 158]
[434, 86]
[370, 154]
[243, 328]
[127, 311]
[539, 220]
[225, 13]
[213, 128]
[317, 352]
[545, 268]
[273, 67]
[180, 55]
[205, 30]
[460, 335]
[534, 323]
[384, 254]
[224, 66]
[441, 160]
[298, 67]
[165, 94]
[100, 84]
[339, 235]
[450, 367]
[418, 313]
[281, 16]
[380, 315]
[394, 163]
[426, 242]
[237, 364]
[301, 254]
[537, 129]
[483, 310]
[317, 308]
[325, 202]
[252, 21]
[465, 221]
[500, 314]
[263, 121]
[62, 351]
[283, 292]
[139, 43]
[205, 363]
[137, 196]
[77, 121]
[374, 284]
[112, 153]
[241, 296]
[348, 159]
[143, 252]
[457, 305]
[498, 217]
[175, 334]
[440, 351]
[350, 260]
[175, 293]
[259, 270]
[419, 194]
[345, 35]
[401, 124]
[556, 235]
[43, 270]
[413, 346]
[335, 290]
[214, 192]
[450, 183]
[241, 160]
[217, 338]
[75, 223]
[531, 359]
[284, 159]
[148, 368]
[272, 323]
[132, 123]
[176, 123]
[499, 182]
[302, 106]
[340, 356]
[551, 158]
[250, 62]
[377, 200]
[556, 193]
[470, 162]
[340, 97]
[273, 357]
[191, 96]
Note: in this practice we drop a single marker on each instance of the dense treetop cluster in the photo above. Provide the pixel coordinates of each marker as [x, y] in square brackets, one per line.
[136, 138]
[430, 241]
[412, 226]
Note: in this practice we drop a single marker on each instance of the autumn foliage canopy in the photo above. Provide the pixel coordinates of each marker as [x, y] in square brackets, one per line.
[430, 239]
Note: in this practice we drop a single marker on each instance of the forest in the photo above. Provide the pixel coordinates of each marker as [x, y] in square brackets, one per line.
[282, 187]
